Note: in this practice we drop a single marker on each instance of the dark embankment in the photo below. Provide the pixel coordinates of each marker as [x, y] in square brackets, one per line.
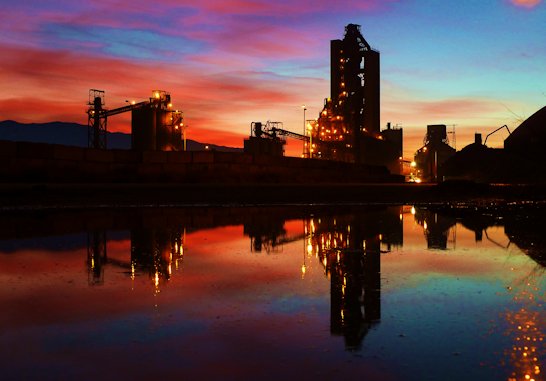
[123, 195]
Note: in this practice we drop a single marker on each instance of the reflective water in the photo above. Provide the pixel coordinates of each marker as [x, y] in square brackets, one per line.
[377, 293]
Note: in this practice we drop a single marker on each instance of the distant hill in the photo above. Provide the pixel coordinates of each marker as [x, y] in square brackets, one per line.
[74, 134]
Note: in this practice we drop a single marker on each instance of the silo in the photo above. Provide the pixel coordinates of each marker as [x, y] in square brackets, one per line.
[144, 129]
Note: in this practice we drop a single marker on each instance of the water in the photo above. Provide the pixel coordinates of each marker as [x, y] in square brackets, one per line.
[368, 292]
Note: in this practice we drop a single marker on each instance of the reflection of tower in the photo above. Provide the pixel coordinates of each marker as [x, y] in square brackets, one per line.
[436, 227]
[349, 248]
[265, 233]
[355, 293]
[96, 256]
[153, 251]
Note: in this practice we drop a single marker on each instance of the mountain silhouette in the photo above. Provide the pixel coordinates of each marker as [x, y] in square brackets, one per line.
[75, 134]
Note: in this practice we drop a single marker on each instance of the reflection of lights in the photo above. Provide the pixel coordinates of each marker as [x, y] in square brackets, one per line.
[527, 334]
[425, 225]
[156, 279]
[309, 248]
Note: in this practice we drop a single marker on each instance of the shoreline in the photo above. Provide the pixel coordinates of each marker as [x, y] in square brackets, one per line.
[104, 195]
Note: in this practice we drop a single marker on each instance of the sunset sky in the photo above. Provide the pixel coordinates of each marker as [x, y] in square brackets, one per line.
[473, 64]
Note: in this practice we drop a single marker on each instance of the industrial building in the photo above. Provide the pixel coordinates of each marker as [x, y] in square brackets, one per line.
[154, 125]
[516, 163]
[435, 151]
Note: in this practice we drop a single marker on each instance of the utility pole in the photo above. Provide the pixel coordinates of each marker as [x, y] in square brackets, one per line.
[304, 129]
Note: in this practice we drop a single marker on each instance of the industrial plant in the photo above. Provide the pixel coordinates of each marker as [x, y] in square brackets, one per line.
[348, 127]
[343, 143]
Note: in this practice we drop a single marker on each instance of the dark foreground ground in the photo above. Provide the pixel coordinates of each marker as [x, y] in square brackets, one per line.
[108, 195]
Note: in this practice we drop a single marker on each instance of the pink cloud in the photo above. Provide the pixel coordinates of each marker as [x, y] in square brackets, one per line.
[42, 85]
[284, 8]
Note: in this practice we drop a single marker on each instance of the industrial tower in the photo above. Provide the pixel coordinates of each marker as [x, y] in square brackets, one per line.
[347, 128]
[354, 81]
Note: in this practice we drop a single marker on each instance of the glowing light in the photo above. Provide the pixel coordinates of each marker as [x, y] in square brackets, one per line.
[413, 164]
[413, 210]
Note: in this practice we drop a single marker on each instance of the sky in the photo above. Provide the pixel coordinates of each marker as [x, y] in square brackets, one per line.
[472, 65]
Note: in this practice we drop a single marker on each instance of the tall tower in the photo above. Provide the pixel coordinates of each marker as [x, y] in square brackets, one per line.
[354, 84]
[347, 128]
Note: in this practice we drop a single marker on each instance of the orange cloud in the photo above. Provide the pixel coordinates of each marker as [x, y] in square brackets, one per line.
[526, 3]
